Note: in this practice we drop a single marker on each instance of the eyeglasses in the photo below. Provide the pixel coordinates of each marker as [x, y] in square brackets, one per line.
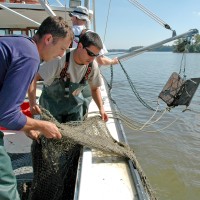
[90, 53]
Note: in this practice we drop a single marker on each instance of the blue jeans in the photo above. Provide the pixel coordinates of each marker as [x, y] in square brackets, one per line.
[8, 184]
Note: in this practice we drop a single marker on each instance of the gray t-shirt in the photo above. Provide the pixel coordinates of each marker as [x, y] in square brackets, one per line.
[51, 70]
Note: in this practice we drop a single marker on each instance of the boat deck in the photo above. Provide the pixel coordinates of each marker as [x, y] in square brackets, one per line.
[103, 175]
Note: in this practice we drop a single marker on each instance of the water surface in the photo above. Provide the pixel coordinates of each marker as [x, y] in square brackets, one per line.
[169, 154]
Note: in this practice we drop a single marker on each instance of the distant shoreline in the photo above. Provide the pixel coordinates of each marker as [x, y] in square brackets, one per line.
[159, 49]
[177, 48]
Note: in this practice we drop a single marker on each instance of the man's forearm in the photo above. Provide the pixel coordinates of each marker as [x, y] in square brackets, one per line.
[32, 93]
[96, 95]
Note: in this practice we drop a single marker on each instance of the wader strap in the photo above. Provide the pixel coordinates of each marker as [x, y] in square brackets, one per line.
[89, 69]
[63, 73]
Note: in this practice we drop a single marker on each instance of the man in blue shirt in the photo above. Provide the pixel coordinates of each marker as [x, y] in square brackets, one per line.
[20, 57]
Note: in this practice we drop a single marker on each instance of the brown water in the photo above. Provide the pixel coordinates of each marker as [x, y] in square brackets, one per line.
[170, 156]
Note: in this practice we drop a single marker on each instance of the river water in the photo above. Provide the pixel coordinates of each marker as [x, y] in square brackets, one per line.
[169, 149]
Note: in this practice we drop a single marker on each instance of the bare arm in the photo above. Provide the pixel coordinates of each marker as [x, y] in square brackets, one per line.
[104, 60]
[96, 95]
[34, 108]
[34, 128]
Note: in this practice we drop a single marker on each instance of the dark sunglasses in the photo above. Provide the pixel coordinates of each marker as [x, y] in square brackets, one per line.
[90, 53]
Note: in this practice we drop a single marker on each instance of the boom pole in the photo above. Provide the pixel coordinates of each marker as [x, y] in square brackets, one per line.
[148, 48]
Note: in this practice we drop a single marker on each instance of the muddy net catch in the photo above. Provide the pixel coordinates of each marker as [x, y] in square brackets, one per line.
[91, 133]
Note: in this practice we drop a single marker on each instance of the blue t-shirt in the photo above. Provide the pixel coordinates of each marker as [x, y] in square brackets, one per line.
[19, 61]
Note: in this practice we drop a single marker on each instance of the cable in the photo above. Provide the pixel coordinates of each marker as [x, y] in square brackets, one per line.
[107, 22]
[152, 15]
[134, 89]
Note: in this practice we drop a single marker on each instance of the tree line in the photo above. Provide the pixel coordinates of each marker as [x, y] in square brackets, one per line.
[187, 45]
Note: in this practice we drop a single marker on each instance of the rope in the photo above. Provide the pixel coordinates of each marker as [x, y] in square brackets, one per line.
[149, 119]
[183, 64]
[137, 126]
[150, 124]
[134, 89]
[151, 14]
[134, 125]
[107, 21]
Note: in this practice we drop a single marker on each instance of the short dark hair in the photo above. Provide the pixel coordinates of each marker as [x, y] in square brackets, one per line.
[91, 38]
[56, 26]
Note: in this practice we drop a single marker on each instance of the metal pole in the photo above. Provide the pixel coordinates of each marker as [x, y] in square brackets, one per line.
[44, 4]
[87, 5]
[94, 15]
[147, 48]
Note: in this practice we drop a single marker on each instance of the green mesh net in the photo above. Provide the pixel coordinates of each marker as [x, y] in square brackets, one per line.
[55, 161]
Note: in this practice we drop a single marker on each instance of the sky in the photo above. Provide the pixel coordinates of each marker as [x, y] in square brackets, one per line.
[128, 26]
